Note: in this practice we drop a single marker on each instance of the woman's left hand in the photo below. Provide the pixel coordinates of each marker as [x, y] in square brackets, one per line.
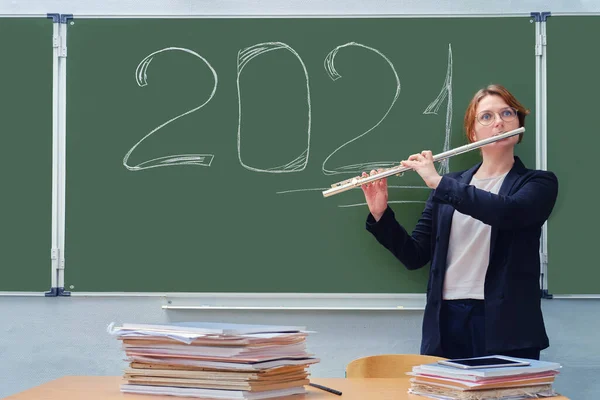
[423, 164]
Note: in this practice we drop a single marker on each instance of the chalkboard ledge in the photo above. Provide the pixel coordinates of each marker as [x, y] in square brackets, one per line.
[22, 294]
[296, 301]
[278, 301]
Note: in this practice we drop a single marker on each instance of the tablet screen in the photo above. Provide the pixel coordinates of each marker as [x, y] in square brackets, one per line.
[483, 362]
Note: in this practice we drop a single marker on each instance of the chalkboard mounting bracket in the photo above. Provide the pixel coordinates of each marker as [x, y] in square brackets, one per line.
[57, 292]
[64, 18]
[540, 16]
[54, 16]
[59, 18]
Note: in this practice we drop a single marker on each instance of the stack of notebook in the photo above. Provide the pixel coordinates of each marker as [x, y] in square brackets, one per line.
[215, 361]
[444, 382]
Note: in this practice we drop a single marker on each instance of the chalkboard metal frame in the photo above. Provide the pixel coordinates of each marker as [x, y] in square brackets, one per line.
[301, 301]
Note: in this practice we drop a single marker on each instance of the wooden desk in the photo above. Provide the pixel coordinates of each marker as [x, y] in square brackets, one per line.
[107, 388]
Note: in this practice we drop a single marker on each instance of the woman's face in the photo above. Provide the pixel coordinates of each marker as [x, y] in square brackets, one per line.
[494, 117]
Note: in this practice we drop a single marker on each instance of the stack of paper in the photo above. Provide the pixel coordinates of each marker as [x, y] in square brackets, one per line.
[442, 382]
[215, 361]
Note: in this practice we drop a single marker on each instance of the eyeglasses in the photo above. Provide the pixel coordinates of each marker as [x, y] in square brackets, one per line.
[488, 117]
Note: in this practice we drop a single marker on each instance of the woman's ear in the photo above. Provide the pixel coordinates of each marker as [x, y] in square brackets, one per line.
[472, 136]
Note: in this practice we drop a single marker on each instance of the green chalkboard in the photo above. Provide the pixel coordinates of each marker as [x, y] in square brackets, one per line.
[26, 153]
[573, 61]
[197, 150]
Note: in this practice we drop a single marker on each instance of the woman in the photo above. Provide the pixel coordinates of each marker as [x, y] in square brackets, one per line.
[480, 229]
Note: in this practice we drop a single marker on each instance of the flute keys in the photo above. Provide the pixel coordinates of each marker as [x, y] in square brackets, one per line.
[352, 181]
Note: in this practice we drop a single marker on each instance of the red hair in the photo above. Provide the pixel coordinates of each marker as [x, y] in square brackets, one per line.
[492, 90]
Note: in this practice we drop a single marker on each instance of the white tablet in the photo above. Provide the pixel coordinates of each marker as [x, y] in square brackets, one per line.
[483, 362]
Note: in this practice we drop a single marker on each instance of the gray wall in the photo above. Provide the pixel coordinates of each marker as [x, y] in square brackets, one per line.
[45, 338]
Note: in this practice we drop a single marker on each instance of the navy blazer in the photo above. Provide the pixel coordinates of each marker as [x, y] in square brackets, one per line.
[513, 316]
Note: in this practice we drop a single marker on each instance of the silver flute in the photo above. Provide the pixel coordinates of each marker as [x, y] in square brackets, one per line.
[351, 183]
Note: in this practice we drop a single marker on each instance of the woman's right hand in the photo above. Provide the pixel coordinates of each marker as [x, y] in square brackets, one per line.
[376, 194]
